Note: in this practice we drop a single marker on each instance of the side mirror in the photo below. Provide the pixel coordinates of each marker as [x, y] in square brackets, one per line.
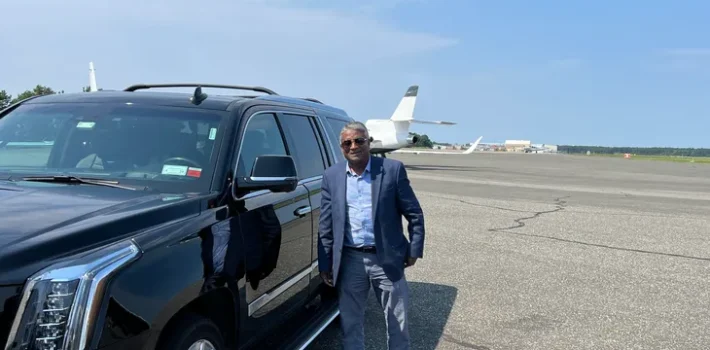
[276, 173]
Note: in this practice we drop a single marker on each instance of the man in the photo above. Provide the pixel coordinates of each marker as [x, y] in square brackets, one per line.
[361, 240]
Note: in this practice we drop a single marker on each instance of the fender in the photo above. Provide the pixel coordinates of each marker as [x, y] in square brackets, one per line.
[196, 262]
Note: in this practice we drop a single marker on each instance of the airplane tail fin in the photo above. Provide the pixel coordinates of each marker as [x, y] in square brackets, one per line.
[473, 146]
[92, 78]
[405, 109]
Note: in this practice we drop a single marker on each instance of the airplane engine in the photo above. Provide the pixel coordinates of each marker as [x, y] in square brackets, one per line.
[412, 140]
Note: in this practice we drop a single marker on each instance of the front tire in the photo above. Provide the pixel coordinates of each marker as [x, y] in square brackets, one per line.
[193, 332]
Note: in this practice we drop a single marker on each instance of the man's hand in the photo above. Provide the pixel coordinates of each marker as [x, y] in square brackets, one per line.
[327, 278]
[410, 262]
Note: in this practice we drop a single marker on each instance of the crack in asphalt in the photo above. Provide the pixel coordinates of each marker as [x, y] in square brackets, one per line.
[568, 211]
[608, 246]
[560, 205]
[483, 205]
[464, 344]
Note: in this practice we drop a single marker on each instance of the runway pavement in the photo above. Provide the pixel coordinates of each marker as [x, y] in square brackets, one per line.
[542, 251]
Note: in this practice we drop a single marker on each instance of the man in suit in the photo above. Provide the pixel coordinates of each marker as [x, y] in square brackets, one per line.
[361, 239]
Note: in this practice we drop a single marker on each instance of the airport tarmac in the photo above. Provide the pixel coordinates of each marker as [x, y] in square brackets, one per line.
[550, 251]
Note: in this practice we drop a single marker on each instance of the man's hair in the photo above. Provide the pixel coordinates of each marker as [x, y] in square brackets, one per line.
[359, 126]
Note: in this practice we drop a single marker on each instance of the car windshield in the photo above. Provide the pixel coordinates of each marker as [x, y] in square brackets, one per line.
[169, 149]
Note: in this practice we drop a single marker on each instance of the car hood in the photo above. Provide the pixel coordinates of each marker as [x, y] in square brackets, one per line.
[40, 221]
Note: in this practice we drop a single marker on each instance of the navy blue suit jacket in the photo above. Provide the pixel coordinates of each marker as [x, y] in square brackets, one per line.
[392, 198]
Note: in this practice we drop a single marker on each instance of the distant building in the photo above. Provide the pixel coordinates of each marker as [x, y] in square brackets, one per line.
[551, 148]
[516, 145]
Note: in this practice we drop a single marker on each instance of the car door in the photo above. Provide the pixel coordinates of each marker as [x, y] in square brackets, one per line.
[276, 230]
[306, 139]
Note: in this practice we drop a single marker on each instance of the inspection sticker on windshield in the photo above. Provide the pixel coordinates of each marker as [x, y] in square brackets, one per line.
[179, 170]
[194, 172]
[85, 125]
[213, 133]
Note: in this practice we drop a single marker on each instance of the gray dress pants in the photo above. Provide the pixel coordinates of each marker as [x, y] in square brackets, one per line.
[358, 272]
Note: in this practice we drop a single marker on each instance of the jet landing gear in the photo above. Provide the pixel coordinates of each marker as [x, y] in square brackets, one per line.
[381, 155]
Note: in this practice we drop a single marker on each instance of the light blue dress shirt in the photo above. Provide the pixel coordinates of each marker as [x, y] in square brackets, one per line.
[359, 229]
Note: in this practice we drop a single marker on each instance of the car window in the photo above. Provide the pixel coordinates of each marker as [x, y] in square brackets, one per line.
[161, 147]
[262, 136]
[28, 141]
[334, 127]
[306, 153]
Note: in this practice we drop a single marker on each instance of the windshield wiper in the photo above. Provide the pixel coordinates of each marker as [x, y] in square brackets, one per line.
[74, 179]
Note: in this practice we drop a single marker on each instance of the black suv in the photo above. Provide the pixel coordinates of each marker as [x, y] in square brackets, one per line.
[162, 220]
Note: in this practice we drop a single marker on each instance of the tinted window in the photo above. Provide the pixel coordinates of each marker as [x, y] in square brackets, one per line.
[322, 141]
[335, 126]
[262, 136]
[164, 148]
[307, 153]
[26, 140]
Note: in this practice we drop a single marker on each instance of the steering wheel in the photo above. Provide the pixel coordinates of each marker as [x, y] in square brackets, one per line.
[186, 160]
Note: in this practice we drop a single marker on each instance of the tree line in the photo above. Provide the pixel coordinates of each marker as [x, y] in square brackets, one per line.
[6, 98]
[643, 151]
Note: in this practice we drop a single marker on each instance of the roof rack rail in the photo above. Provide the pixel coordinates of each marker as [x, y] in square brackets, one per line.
[195, 85]
[312, 100]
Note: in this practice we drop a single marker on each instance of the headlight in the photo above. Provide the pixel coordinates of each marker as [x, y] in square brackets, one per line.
[60, 304]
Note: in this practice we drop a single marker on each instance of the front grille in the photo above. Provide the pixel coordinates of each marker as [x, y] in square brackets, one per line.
[9, 301]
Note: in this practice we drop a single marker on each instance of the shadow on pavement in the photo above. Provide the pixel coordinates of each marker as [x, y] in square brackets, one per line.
[429, 309]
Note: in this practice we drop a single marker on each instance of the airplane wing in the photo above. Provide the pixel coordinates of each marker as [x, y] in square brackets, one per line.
[430, 122]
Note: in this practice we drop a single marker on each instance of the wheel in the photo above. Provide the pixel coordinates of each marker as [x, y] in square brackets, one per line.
[193, 332]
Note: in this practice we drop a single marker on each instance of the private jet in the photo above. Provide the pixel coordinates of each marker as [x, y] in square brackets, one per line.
[390, 135]
[536, 149]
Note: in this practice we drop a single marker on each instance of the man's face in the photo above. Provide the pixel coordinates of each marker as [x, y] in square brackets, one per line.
[355, 146]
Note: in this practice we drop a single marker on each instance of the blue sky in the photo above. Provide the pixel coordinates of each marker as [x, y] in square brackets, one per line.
[561, 72]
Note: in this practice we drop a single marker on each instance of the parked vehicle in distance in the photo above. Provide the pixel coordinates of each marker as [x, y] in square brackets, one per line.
[161, 220]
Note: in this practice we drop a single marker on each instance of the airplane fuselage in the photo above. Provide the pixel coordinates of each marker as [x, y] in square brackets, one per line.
[389, 135]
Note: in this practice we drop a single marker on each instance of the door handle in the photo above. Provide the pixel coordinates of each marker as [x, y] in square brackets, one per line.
[302, 211]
